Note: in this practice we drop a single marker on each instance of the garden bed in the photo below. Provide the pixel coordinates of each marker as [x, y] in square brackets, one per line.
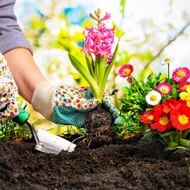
[129, 164]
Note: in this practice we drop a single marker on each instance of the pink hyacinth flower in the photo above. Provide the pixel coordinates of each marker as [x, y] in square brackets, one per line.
[126, 70]
[106, 17]
[181, 74]
[99, 41]
[164, 88]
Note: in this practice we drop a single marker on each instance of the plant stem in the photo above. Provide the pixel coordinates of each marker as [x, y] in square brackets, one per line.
[168, 70]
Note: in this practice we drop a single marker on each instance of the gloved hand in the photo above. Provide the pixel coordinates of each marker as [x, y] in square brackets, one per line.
[8, 92]
[66, 104]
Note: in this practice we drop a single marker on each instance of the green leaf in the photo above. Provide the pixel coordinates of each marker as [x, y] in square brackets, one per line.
[89, 62]
[109, 67]
[101, 72]
[126, 90]
[185, 143]
[97, 60]
[80, 68]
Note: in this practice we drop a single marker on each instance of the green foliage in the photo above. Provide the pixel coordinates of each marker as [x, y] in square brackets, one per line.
[133, 103]
[9, 130]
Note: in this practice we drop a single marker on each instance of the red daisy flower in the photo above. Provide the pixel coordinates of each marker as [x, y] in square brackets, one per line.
[180, 116]
[164, 88]
[183, 85]
[181, 74]
[126, 70]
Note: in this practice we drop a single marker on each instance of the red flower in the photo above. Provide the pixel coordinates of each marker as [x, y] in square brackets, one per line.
[147, 117]
[180, 116]
[162, 124]
[158, 111]
[161, 119]
[126, 70]
[183, 85]
[164, 88]
[181, 74]
[169, 105]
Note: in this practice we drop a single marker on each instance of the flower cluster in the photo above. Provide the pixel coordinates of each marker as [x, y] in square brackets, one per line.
[170, 114]
[161, 104]
[99, 41]
[100, 54]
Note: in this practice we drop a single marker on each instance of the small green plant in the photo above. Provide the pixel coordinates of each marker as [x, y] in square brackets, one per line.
[9, 130]
[67, 130]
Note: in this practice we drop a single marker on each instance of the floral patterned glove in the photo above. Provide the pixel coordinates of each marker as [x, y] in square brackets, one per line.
[112, 109]
[66, 104]
[71, 104]
[8, 93]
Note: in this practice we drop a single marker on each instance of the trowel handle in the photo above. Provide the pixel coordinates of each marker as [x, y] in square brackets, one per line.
[22, 117]
[33, 131]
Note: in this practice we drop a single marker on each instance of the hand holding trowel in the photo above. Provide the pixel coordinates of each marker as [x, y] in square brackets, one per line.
[45, 141]
[9, 109]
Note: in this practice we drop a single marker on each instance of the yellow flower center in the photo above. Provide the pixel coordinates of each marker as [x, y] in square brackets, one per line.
[153, 97]
[150, 117]
[167, 60]
[164, 120]
[181, 74]
[127, 71]
[183, 119]
[164, 89]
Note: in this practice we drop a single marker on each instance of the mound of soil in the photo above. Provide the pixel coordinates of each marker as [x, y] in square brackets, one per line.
[99, 162]
[123, 165]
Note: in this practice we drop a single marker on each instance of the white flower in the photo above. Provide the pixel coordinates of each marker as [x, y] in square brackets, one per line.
[167, 60]
[153, 98]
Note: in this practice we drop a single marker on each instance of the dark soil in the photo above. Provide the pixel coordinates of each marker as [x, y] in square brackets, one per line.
[110, 165]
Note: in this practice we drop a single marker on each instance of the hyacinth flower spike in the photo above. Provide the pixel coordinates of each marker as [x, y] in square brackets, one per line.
[99, 57]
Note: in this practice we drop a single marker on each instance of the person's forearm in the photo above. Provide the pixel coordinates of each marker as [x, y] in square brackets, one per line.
[25, 72]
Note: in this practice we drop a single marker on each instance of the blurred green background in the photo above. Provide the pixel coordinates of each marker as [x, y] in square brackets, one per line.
[149, 30]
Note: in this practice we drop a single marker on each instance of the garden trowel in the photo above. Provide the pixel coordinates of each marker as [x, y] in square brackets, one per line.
[45, 142]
